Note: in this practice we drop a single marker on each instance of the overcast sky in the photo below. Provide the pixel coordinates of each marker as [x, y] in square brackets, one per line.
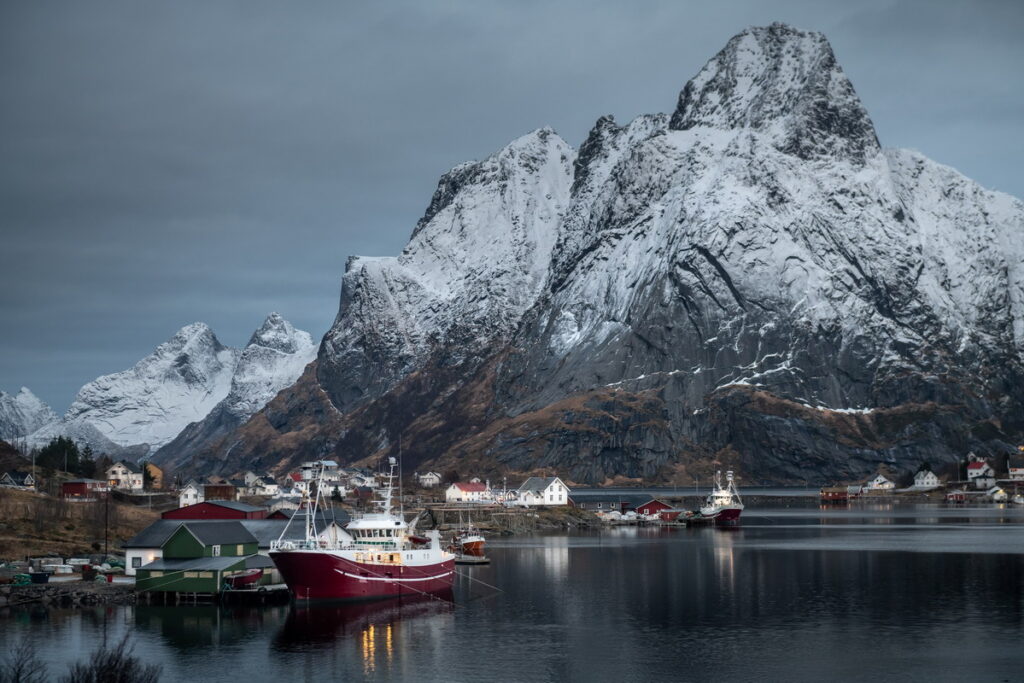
[167, 162]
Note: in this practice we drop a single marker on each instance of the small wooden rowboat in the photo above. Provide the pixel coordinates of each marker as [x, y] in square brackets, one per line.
[247, 579]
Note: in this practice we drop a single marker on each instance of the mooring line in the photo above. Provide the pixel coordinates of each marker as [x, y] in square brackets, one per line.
[467, 576]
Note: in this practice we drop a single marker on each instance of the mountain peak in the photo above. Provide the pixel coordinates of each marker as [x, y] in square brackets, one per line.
[22, 413]
[783, 82]
[278, 334]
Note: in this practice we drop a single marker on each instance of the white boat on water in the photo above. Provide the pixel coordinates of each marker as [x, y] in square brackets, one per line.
[724, 505]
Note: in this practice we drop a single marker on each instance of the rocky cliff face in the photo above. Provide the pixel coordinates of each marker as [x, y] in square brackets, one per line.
[192, 379]
[750, 281]
[22, 414]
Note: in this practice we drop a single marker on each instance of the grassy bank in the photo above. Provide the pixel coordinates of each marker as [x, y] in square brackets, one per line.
[35, 525]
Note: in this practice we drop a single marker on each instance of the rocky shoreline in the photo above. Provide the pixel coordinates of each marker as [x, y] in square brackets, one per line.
[68, 594]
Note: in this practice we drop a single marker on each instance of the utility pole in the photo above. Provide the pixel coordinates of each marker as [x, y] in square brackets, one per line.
[106, 524]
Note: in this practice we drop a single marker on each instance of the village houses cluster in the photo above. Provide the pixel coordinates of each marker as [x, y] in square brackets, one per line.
[981, 479]
[534, 492]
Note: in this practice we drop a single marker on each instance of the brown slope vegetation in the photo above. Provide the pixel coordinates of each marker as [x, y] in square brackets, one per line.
[34, 524]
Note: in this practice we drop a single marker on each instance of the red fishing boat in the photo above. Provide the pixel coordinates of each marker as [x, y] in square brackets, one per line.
[724, 505]
[379, 557]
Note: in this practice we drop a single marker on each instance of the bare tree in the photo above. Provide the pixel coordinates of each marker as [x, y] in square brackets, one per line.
[21, 664]
[113, 664]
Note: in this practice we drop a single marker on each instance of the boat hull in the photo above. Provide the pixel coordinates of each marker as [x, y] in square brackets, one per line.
[475, 548]
[727, 515]
[320, 575]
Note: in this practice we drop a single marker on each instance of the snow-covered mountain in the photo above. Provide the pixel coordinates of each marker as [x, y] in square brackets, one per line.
[22, 413]
[273, 359]
[182, 382]
[750, 281]
[476, 261]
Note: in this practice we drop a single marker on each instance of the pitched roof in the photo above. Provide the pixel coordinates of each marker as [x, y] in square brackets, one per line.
[220, 533]
[234, 505]
[263, 530]
[470, 487]
[536, 484]
[977, 465]
[131, 467]
[19, 477]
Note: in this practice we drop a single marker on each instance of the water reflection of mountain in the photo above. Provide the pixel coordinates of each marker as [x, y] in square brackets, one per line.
[319, 626]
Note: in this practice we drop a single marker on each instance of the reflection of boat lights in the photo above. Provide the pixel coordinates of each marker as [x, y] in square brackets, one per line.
[368, 641]
[725, 558]
[368, 647]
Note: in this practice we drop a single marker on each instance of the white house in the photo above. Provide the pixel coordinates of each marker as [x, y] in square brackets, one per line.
[543, 491]
[357, 479]
[299, 486]
[311, 470]
[266, 485]
[926, 479]
[330, 487]
[429, 480]
[467, 492]
[879, 483]
[124, 475]
[18, 480]
[981, 475]
[190, 494]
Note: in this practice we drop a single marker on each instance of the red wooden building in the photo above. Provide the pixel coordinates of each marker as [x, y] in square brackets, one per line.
[83, 489]
[217, 509]
[652, 507]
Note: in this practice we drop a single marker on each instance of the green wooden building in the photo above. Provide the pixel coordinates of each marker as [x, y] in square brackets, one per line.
[198, 557]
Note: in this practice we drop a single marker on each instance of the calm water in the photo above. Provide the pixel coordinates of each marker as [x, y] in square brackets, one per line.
[796, 594]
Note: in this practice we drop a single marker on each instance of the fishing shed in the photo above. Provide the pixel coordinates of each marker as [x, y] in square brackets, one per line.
[197, 558]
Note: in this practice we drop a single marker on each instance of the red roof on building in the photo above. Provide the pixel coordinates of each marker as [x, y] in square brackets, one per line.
[469, 487]
[295, 476]
[977, 465]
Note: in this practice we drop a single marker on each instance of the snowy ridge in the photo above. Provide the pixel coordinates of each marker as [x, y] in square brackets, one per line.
[180, 383]
[22, 414]
[729, 228]
[273, 359]
[476, 261]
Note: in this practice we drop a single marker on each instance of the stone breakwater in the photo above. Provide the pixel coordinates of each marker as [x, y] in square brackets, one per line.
[70, 594]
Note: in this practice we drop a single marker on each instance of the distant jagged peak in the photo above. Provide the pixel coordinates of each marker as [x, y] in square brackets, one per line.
[22, 413]
[280, 335]
[193, 336]
[784, 82]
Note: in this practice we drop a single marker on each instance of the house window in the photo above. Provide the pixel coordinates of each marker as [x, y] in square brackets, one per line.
[136, 562]
[191, 575]
[216, 551]
[239, 549]
[155, 575]
[205, 575]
